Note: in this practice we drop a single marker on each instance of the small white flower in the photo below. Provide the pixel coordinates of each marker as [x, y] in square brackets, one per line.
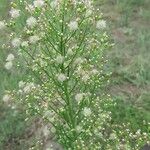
[73, 25]
[87, 112]
[61, 77]
[78, 61]
[30, 8]
[53, 130]
[88, 12]
[80, 71]
[69, 52]
[101, 24]
[59, 59]
[25, 44]
[15, 13]
[88, 3]
[74, 2]
[2, 25]
[28, 88]
[31, 22]
[49, 149]
[6, 98]
[34, 39]
[79, 97]
[94, 72]
[85, 77]
[21, 84]
[46, 131]
[16, 42]
[38, 3]
[8, 65]
[54, 4]
[78, 129]
[10, 57]
[112, 136]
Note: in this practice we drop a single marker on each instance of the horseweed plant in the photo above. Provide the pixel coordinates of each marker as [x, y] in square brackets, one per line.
[62, 43]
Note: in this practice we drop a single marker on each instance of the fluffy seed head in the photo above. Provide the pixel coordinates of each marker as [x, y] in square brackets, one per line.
[54, 4]
[15, 13]
[28, 87]
[2, 25]
[8, 65]
[59, 59]
[87, 112]
[6, 98]
[38, 3]
[10, 57]
[101, 24]
[61, 77]
[16, 42]
[73, 25]
[79, 97]
[34, 39]
[69, 52]
[21, 84]
[31, 22]
[25, 44]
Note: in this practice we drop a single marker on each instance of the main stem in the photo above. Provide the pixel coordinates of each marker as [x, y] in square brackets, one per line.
[63, 70]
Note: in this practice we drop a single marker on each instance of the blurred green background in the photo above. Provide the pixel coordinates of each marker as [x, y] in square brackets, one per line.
[129, 62]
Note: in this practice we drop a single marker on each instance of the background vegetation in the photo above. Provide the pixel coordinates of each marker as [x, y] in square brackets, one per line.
[128, 61]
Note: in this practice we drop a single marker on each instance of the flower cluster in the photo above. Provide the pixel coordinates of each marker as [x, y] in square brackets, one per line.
[62, 43]
[9, 61]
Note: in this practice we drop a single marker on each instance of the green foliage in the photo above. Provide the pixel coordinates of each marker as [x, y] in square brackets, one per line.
[12, 126]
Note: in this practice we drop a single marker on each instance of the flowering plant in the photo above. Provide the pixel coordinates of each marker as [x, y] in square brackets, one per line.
[62, 43]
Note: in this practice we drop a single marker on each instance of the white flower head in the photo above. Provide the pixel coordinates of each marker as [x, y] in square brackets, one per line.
[85, 77]
[45, 131]
[59, 59]
[101, 24]
[38, 3]
[61, 77]
[54, 4]
[88, 3]
[87, 111]
[112, 136]
[79, 129]
[69, 52]
[30, 8]
[78, 61]
[2, 25]
[15, 13]
[10, 57]
[28, 87]
[94, 72]
[21, 84]
[88, 12]
[8, 65]
[31, 22]
[34, 39]
[53, 130]
[73, 25]
[16, 42]
[7, 98]
[74, 2]
[80, 71]
[79, 97]
[25, 44]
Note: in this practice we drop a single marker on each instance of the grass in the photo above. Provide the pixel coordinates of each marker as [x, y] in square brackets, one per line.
[128, 61]
[130, 55]
[12, 125]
